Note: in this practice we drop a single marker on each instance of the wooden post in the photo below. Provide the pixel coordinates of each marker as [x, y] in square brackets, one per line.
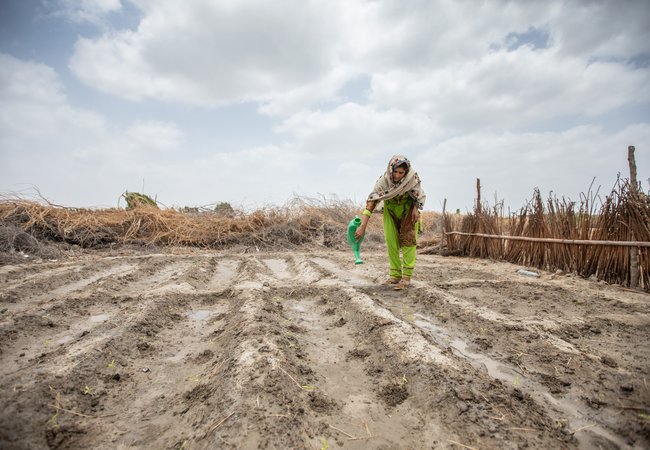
[478, 195]
[634, 251]
[443, 236]
[632, 162]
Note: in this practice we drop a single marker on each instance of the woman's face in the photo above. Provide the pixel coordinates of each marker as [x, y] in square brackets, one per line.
[398, 174]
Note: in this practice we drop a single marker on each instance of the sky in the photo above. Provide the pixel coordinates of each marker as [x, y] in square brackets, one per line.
[254, 102]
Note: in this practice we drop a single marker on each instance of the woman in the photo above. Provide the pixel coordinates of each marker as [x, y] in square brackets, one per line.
[399, 193]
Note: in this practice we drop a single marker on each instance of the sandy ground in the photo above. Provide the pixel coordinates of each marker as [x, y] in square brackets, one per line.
[197, 350]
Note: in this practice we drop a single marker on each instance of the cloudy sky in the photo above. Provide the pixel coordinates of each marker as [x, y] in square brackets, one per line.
[252, 101]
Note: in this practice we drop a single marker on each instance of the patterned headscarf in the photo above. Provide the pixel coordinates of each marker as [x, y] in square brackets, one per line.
[385, 188]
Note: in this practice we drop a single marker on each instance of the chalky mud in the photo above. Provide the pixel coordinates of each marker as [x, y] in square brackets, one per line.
[201, 349]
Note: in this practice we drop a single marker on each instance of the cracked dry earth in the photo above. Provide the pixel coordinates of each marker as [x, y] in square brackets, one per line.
[198, 350]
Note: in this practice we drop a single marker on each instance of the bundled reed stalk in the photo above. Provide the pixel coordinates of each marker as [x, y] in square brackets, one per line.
[623, 216]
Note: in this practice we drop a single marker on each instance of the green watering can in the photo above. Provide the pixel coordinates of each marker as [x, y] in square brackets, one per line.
[352, 228]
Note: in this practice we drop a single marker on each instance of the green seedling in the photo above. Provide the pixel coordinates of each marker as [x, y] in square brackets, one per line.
[645, 417]
[324, 442]
[401, 381]
[88, 390]
[308, 387]
[516, 380]
[46, 342]
[193, 379]
[112, 364]
[183, 446]
[53, 423]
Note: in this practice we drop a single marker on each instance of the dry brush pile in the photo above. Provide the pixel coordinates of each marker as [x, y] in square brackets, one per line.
[624, 216]
[299, 222]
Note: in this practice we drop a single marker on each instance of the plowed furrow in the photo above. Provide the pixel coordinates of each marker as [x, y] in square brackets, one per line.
[201, 350]
[345, 399]
[474, 331]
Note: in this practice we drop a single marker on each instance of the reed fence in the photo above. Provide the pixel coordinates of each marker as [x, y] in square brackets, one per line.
[607, 239]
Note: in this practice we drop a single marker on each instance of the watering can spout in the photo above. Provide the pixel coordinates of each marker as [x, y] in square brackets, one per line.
[352, 240]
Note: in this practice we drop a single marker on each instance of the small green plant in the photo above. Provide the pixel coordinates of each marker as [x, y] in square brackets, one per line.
[88, 390]
[52, 422]
[112, 364]
[324, 442]
[194, 379]
[516, 380]
[183, 446]
[224, 209]
[46, 343]
[135, 199]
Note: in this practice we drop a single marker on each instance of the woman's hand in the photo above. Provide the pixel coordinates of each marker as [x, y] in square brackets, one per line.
[362, 228]
[360, 232]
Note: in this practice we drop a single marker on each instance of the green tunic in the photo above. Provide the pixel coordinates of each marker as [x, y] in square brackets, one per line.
[399, 208]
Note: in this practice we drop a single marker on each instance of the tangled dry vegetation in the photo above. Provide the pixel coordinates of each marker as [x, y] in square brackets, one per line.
[29, 226]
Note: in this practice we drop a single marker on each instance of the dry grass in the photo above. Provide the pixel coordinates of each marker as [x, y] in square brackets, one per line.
[301, 221]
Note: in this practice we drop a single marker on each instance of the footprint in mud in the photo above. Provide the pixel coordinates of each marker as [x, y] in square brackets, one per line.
[394, 394]
[321, 403]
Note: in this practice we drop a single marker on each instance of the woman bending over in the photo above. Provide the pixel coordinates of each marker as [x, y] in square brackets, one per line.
[399, 194]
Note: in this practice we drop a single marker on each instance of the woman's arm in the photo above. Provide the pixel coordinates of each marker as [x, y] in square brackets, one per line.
[365, 217]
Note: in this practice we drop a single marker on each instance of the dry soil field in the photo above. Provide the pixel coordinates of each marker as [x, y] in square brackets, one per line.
[196, 349]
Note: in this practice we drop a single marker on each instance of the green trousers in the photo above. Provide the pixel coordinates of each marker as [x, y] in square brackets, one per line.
[398, 267]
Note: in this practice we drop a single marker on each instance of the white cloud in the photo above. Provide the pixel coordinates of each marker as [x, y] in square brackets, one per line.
[351, 129]
[138, 148]
[208, 53]
[157, 136]
[615, 29]
[512, 165]
[519, 87]
[69, 152]
[75, 157]
[92, 11]
[34, 106]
